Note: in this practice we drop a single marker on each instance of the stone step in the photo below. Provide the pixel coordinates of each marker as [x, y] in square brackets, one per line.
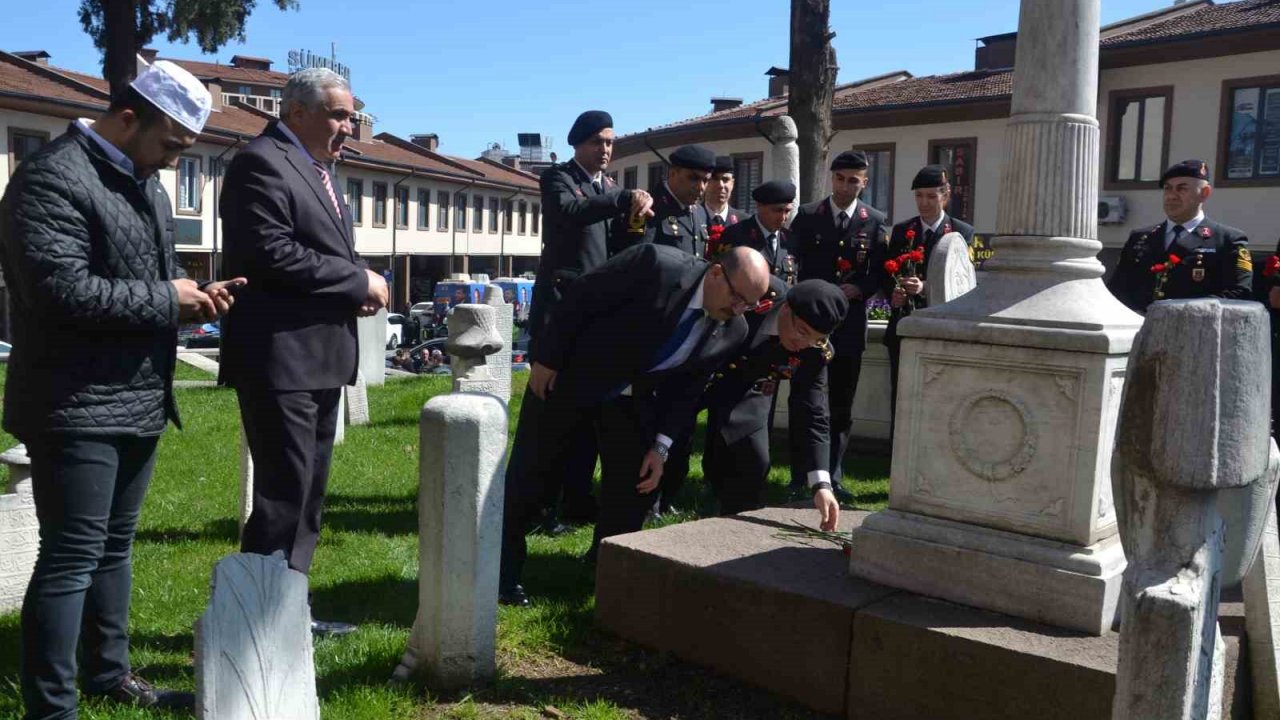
[729, 594]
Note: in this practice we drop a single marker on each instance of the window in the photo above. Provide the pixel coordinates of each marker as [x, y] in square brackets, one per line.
[879, 190]
[402, 208]
[244, 90]
[189, 185]
[524, 217]
[629, 178]
[424, 209]
[493, 214]
[442, 210]
[657, 174]
[477, 213]
[959, 155]
[537, 218]
[1138, 136]
[277, 93]
[460, 214]
[355, 200]
[1249, 132]
[748, 172]
[22, 143]
[379, 204]
[508, 210]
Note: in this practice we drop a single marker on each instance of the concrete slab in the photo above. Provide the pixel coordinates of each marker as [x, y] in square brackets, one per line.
[727, 593]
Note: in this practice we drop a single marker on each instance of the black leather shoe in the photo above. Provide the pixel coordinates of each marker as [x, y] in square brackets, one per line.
[842, 493]
[134, 690]
[514, 597]
[330, 628]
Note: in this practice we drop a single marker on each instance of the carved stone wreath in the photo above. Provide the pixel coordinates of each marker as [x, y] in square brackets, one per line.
[992, 435]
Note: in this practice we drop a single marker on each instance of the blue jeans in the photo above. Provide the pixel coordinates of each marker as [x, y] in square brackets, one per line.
[88, 494]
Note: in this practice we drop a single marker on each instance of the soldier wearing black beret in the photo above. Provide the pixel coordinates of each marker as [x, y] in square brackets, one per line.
[787, 339]
[1187, 255]
[842, 240]
[679, 219]
[717, 196]
[764, 231]
[578, 203]
[931, 189]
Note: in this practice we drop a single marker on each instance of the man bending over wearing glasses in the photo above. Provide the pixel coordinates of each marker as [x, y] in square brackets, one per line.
[638, 337]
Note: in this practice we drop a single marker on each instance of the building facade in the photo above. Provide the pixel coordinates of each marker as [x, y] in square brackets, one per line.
[1193, 80]
[422, 213]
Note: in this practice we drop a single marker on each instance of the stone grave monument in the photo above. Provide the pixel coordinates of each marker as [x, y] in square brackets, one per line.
[473, 338]
[785, 152]
[500, 361]
[371, 333]
[19, 530]
[1194, 477]
[357, 401]
[1262, 622]
[951, 272]
[253, 643]
[463, 442]
[1000, 494]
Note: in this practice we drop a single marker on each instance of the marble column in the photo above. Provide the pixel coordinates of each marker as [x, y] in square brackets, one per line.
[786, 152]
[1000, 495]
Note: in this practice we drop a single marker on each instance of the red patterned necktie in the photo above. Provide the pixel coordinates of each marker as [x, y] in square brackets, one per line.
[328, 186]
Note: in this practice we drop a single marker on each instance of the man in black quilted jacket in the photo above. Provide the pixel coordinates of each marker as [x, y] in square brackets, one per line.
[86, 243]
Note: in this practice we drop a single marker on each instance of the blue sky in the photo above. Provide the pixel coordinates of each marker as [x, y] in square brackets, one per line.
[480, 72]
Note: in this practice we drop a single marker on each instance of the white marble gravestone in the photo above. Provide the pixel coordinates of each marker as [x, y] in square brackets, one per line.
[1000, 492]
[499, 362]
[253, 643]
[1194, 477]
[357, 401]
[785, 152]
[371, 334]
[951, 272]
[460, 493]
[1262, 623]
[19, 530]
[473, 339]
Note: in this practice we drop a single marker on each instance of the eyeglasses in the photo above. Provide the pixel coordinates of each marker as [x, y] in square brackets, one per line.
[734, 295]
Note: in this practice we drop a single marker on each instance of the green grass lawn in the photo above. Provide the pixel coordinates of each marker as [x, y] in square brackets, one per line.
[365, 571]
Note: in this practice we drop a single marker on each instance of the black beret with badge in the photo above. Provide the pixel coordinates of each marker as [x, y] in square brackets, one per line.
[850, 160]
[930, 176]
[774, 192]
[820, 304]
[694, 157]
[724, 164]
[1196, 169]
[588, 124]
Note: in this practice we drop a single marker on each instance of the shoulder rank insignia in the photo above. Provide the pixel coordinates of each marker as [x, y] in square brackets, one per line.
[1243, 260]
[862, 213]
[946, 228]
[828, 352]
[1205, 232]
[733, 219]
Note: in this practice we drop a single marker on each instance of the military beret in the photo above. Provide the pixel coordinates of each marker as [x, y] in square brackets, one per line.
[694, 157]
[774, 192]
[724, 164]
[1187, 168]
[930, 176]
[850, 160]
[819, 303]
[588, 124]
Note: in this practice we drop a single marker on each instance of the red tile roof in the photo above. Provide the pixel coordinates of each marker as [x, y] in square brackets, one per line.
[218, 71]
[931, 89]
[1205, 20]
[21, 76]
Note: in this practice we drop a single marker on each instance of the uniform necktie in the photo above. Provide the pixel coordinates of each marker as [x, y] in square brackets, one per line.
[929, 235]
[1177, 233]
[683, 329]
[596, 184]
[844, 221]
[773, 245]
[717, 220]
[328, 187]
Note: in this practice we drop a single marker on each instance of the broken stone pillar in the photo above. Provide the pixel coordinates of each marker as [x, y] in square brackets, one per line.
[463, 441]
[473, 337]
[785, 152]
[253, 644]
[1262, 622]
[371, 336]
[1000, 492]
[19, 530]
[951, 272]
[1194, 476]
[500, 361]
[357, 399]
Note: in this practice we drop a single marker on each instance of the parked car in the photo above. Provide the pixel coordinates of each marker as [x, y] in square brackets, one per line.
[395, 330]
[208, 335]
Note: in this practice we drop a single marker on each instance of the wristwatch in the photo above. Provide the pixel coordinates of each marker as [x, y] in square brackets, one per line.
[662, 450]
[821, 485]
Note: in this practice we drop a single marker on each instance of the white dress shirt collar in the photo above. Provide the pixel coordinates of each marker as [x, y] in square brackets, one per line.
[836, 209]
[113, 153]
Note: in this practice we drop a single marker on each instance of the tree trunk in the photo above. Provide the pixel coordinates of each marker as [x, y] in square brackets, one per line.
[811, 81]
[120, 26]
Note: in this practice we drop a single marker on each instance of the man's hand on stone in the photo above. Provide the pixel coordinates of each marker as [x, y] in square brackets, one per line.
[913, 285]
[650, 472]
[828, 509]
[220, 293]
[542, 380]
[851, 292]
[193, 303]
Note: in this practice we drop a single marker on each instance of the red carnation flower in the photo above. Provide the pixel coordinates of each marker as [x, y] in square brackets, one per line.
[891, 267]
[917, 255]
[1174, 259]
[843, 265]
[714, 232]
[793, 361]
[1159, 267]
[911, 234]
[1272, 266]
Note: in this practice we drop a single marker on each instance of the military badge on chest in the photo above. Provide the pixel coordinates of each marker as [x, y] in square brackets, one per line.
[1197, 267]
